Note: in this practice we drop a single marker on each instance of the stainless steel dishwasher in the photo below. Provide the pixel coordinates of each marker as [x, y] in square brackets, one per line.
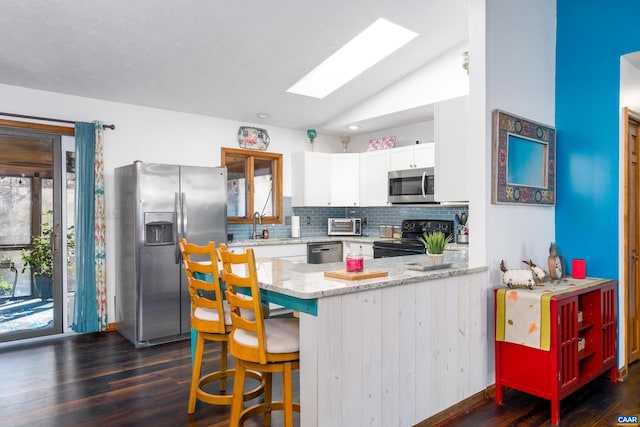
[324, 252]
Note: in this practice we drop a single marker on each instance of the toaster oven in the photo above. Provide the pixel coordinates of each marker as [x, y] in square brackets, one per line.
[344, 227]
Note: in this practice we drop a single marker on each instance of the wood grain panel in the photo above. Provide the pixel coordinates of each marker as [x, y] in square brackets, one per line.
[26, 156]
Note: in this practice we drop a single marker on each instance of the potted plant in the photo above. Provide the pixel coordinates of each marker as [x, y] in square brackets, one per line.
[7, 288]
[39, 259]
[435, 243]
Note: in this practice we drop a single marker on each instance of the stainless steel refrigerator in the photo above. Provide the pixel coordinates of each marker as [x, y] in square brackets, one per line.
[156, 204]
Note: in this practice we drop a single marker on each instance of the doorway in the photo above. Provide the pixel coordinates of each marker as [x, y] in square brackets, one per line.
[32, 218]
[632, 238]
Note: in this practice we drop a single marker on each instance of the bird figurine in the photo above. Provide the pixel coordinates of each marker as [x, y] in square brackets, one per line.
[555, 263]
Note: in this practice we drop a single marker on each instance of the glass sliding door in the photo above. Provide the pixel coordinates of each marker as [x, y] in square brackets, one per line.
[68, 238]
[31, 224]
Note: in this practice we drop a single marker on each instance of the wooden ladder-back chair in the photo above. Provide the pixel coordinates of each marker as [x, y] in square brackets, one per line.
[211, 321]
[258, 344]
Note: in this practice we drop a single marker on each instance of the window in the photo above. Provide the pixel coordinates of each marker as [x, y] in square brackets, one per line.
[254, 184]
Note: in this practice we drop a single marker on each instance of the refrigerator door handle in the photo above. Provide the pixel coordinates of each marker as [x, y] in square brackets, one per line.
[177, 226]
[185, 216]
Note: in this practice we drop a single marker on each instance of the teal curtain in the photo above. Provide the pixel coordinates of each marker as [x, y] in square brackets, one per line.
[85, 314]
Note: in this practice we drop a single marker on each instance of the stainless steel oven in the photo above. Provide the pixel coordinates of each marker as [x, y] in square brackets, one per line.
[412, 186]
[409, 243]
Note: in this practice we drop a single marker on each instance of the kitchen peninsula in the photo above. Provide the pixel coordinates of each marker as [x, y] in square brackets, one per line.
[386, 351]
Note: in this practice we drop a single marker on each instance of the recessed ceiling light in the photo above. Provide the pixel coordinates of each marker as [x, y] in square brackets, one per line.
[262, 115]
[376, 42]
[353, 127]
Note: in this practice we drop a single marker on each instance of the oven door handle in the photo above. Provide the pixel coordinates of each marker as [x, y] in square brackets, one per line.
[424, 178]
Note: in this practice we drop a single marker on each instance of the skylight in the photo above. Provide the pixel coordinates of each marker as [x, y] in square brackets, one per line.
[372, 45]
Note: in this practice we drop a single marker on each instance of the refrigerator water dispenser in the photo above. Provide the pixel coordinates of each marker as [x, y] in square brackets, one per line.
[158, 228]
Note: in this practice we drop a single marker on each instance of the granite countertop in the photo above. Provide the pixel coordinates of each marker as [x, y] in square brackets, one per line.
[307, 281]
[303, 240]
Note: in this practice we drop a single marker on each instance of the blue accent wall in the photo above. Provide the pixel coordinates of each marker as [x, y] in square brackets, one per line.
[591, 37]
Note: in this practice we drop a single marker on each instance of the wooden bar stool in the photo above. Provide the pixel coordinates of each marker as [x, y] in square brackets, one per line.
[211, 321]
[258, 344]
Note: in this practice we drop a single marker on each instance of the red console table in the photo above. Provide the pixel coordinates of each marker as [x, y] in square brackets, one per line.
[578, 326]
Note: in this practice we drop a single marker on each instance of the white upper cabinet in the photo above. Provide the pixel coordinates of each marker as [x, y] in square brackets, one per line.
[412, 156]
[424, 155]
[374, 168]
[352, 179]
[345, 179]
[451, 119]
[325, 179]
[311, 185]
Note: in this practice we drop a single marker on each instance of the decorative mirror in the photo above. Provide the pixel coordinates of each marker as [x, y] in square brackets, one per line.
[524, 154]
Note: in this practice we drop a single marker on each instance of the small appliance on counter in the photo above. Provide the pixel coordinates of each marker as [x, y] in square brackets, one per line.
[344, 227]
[409, 244]
[390, 231]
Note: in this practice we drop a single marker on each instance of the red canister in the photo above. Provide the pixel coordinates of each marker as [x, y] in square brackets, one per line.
[578, 268]
[355, 263]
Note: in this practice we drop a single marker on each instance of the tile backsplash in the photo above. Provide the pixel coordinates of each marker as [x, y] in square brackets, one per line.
[313, 221]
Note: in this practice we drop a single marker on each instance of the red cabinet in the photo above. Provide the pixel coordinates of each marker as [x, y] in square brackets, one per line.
[582, 347]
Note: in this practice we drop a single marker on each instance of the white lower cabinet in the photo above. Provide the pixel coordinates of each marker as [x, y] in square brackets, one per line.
[294, 252]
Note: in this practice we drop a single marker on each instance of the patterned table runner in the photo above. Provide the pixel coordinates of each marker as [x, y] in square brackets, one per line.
[523, 315]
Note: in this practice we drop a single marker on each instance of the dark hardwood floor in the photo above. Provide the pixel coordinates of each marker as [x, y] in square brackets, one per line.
[102, 380]
[599, 403]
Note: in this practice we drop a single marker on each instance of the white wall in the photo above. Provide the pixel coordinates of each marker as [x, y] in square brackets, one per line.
[153, 135]
[520, 58]
[519, 61]
[405, 135]
[629, 84]
[439, 80]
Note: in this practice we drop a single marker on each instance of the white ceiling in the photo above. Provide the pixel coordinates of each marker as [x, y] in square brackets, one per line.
[227, 59]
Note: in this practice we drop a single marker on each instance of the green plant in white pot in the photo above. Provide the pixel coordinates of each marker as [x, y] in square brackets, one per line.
[435, 243]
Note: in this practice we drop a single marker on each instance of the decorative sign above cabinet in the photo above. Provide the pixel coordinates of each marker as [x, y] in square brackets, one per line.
[253, 138]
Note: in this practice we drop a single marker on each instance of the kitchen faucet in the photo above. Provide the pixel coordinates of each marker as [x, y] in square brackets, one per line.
[257, 216]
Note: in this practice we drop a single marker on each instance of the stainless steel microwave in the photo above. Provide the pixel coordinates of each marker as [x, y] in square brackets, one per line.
[344, 227]
[412, 186]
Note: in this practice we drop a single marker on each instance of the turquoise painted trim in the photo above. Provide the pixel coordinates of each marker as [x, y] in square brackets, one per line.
[194, 335]
[309, 306]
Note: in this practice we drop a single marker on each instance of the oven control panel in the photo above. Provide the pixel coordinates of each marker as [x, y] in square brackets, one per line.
[415, 227]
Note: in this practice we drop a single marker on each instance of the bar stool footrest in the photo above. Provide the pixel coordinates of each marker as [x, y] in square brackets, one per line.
[263, 408]
[226, 399]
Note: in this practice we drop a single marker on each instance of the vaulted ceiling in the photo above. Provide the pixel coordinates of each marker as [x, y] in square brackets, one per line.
[227, 59]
